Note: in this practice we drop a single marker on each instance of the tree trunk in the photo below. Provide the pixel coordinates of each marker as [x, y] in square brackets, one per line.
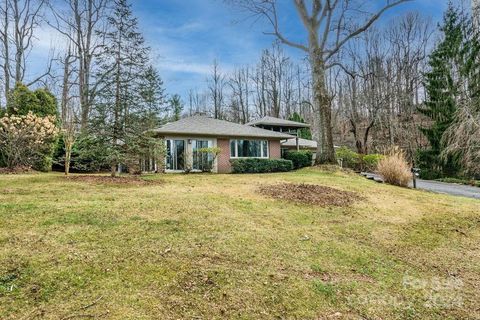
[6, 48]
[18, 43]
[65, 87]
[117, 106]
[322, 112]
[68, 156]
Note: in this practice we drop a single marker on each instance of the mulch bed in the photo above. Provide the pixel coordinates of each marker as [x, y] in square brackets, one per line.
[16, 170]
[98, 179]
[310, 194]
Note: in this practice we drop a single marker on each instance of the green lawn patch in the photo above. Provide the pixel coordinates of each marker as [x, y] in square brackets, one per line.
[213, 247]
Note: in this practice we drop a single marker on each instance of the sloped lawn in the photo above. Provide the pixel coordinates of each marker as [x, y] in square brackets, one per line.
[205, 246]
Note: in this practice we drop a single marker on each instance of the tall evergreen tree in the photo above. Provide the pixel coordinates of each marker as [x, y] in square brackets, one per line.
[443, 90]
[152, 92]
[462, 138]
[176, 106]
[124, 62]
[304, 133]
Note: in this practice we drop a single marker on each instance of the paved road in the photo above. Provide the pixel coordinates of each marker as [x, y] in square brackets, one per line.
[443, 187]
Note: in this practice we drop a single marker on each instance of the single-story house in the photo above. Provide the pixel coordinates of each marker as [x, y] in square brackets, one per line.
[185, 136]
[287, 126]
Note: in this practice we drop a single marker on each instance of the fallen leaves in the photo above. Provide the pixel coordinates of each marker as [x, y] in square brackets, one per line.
[310, 194]
[16, 170]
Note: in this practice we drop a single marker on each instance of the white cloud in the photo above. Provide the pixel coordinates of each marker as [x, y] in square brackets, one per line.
[173, 65]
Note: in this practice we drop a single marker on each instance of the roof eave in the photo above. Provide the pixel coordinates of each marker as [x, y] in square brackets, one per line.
[198, 134]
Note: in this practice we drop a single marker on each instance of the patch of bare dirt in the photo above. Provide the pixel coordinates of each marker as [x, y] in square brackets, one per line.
[98, 179]
[16, 170]
[310, 194]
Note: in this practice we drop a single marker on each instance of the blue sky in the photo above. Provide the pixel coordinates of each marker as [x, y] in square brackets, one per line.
[186, 36]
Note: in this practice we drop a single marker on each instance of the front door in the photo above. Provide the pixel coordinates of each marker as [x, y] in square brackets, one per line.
[176, 155]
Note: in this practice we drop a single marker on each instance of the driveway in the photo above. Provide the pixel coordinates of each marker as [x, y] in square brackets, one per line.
[442, 187]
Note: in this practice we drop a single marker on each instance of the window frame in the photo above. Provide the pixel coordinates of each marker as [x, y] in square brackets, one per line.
[195, 147]
[261, 141]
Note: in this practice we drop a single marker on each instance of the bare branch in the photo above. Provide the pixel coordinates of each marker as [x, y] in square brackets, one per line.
[363, 28]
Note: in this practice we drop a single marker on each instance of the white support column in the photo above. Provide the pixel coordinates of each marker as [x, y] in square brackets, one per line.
[296, 140]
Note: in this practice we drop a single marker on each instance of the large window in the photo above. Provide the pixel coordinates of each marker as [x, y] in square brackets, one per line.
[248, 148]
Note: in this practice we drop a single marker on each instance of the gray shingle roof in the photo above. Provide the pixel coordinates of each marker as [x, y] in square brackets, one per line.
[205, 126]
[303, 143]
[271, 121]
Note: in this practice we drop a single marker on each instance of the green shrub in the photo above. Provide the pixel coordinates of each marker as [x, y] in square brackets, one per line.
[370, 161]
[41, 102]
[350, 159]
[353, 160]
[300, 159]
[44, 164]
[256, 165]
[90, 154]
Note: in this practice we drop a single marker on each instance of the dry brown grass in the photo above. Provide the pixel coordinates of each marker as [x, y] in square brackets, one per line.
[212, 247]
[101, 179]
[395, 169]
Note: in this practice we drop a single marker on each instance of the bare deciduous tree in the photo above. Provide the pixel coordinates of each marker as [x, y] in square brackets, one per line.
[67, 84]
[80, 25]
[20, 19]
[240, 86]
[216, 85]
[5, 50]
[69, 137]
[329, 25]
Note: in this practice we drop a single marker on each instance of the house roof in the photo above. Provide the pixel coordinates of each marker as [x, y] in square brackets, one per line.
[206, 126]
[271, 121]
[303, 143]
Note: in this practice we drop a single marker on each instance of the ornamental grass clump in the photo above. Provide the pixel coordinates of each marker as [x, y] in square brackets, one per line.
[395, 169]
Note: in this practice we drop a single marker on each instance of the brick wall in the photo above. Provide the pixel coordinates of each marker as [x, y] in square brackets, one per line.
[223, 159]
[274, 149]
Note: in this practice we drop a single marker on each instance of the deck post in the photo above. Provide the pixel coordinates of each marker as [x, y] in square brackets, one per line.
[296, 141]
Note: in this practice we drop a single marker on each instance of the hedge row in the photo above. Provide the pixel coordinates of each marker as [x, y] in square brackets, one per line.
[256, 165]
[300, 159]
[351, 159]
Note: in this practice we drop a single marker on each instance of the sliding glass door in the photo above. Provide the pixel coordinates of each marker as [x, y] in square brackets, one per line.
[175, 155]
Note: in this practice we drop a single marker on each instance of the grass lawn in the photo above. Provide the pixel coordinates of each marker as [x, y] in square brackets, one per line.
[211, 246]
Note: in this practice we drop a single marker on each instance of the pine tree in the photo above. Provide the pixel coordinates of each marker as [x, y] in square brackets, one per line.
[176, 106]
[124, 62]
[462, 138]
[442, 85]
[152, 92]
[304, 133]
